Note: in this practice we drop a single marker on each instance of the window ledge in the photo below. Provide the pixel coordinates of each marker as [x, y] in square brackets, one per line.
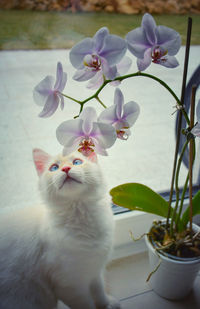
[136, 222]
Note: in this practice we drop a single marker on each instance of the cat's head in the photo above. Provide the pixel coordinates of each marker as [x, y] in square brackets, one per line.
[67, 177]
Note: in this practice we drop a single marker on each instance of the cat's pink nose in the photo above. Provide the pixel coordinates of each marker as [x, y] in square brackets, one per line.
[66, 169]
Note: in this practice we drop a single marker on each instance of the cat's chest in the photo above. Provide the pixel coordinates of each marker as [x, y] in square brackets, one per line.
[82, 229]
[75, 249]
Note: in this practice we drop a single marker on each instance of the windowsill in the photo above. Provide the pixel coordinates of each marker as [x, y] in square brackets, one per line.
[136, 222]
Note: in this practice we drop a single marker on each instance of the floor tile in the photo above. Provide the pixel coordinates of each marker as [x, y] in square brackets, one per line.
[127, 276]
[151, 300]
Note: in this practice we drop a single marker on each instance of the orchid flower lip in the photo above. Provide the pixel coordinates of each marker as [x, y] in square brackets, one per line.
[92, 61]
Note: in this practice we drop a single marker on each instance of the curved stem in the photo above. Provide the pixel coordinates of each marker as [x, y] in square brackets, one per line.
[121, 78]
[163, 84]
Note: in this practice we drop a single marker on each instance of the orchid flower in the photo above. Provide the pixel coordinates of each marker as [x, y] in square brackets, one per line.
[86, 134]
[96, 58]
[152, 43]
[196, 129]
[121, 116]
[48, 92]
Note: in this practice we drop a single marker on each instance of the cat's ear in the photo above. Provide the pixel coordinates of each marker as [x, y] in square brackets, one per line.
[92, 157]
[40, 159]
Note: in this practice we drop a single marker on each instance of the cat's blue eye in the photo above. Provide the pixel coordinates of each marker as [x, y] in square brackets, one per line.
[77, 162]
[53, 167]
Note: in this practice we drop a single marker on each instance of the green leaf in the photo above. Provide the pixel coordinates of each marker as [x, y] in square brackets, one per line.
[195, 209]
[136, 196]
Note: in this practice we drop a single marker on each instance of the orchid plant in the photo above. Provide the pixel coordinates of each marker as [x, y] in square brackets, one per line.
[102, 60]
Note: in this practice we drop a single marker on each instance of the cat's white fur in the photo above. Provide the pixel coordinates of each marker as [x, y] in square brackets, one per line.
[58, 250]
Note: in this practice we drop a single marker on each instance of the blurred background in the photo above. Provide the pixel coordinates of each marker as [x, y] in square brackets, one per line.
[50, 24]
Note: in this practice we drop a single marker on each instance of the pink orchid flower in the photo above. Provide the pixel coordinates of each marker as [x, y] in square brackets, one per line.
[152, 43]
[86, 134]
[121, 116]
[48, 92]
[96, 58]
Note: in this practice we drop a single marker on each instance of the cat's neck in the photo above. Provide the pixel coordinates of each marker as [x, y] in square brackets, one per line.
[73, 212]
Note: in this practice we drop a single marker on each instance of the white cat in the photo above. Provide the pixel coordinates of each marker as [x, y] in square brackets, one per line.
[58, 251]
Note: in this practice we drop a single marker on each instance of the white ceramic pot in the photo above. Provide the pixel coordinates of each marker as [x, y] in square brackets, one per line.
[173, 279]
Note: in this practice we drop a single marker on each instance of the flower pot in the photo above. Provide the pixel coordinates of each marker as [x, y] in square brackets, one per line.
[175, 277]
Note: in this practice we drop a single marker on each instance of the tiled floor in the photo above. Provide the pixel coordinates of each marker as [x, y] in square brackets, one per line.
[127, 281]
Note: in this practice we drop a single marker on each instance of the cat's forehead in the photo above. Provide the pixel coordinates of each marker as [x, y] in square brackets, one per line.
[68, 158]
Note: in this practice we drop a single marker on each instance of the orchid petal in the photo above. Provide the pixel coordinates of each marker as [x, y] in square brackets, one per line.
[146, 61]
[72, 145]
[63, 82]
[131, 112]
[98, 149]
[104, 133]
[149, 25]
[59, 75]
[196, 130]
[96, 81]
[69, 130]
[50, 106]
[99, 38]
[114, 49]
[124, 65]
[83, 75]
[61, 101]
[119, 101]
[198, 111]
[42, 90]
[80, 50]
[108, 71]
[88, 116]
[108, 115]
[168, 39]
[169, 62]
[137, 42]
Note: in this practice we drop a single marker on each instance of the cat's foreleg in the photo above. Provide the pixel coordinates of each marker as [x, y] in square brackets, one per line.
[101, 299]
[79, 298]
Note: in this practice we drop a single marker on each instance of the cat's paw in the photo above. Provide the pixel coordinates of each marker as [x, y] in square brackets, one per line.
[113, 303]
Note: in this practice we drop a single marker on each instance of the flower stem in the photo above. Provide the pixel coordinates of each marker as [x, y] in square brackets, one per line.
[97, 98]
[182, 201]
[121, 78]
[177, 187]
[187, 51]
[66, 96]
[191, 152]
